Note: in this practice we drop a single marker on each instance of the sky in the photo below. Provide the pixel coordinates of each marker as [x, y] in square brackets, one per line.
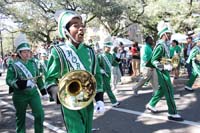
[7, 23]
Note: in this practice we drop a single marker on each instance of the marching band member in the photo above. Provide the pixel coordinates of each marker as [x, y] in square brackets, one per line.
[74, 54]
[166, 89]
[23, 77]
[43, 63]
[106, 61]
[194, 59]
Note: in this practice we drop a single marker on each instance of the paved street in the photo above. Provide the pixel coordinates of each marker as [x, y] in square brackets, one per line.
[130, 117]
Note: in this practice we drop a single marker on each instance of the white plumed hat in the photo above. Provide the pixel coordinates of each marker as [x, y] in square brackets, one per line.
[21, 43]
[162, 28]
[63, 17]
[108, 42]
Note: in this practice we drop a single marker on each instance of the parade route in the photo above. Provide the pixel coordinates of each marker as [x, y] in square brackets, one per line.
[129, 117]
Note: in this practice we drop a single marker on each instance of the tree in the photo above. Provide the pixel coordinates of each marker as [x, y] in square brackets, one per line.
[148, 13]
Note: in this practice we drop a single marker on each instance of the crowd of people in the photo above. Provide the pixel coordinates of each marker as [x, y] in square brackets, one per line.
[31, 70]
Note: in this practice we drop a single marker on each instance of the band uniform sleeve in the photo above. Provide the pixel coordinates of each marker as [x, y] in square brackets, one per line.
[157, 56]
[98, 77]
[11, 77]
[192, 55]
[53, 69]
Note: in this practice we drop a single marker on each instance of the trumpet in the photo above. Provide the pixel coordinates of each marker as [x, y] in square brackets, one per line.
[174, 61]
[77, 89]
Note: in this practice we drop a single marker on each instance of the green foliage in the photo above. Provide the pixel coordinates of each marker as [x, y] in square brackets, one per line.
[36, 18]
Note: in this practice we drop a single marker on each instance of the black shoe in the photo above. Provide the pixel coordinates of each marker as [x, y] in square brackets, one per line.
[116, 104]
[188, 89]
[175, 117]
[152, 109]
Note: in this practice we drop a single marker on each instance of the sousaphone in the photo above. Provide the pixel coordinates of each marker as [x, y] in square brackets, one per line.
[77, 89]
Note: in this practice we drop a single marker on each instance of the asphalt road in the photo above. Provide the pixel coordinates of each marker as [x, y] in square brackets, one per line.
[130, 117]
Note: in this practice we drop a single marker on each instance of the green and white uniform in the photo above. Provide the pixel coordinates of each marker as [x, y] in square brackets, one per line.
[195, 65]
[29, 96]
[165, 89]
[105, 61]
[63, 59]
[43, 67]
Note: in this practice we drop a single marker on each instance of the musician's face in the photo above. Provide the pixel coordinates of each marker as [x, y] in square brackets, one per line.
[107, 49]
[77, 29]
[168, 36]
[25, 54]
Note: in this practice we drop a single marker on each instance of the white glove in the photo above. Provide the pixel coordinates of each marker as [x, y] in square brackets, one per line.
[30, 84]
[102, 71]
[168, 67]
[99, 108]
[45, 97]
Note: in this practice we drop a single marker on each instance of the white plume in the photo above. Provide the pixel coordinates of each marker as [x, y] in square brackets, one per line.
[21, 38]
[161, 25]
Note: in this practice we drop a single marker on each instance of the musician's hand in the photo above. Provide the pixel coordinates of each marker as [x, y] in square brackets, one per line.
[168, 67]
[99, 108]
[102, 71]
[30, 84]
[21, 84]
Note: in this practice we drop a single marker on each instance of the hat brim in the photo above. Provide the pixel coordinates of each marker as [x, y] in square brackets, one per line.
[165, 30]
[21, 49]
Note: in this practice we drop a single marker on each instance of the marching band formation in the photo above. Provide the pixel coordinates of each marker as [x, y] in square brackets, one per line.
[73, 74]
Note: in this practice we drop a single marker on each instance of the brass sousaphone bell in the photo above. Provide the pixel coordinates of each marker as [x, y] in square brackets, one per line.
[174, 61]
[77, 89]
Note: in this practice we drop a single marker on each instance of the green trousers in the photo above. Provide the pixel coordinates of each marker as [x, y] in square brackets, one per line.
[21, 100]
[166, 89]
[107, 89]
[78, 121]
[192, 79]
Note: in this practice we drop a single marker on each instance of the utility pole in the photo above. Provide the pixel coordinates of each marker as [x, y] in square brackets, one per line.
[1, 45]
[13, 48]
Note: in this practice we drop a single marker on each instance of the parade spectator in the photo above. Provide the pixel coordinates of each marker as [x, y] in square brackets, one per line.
[189, 45]
[90, 43]
[175, 51]
[23, 78]
[123, 57]
[12, 58]
[135, 59]
[129, 62]
[166, 89]
[115, 73]
[194, 59]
